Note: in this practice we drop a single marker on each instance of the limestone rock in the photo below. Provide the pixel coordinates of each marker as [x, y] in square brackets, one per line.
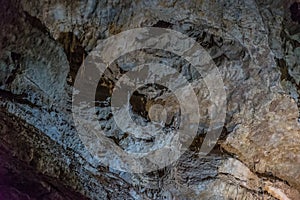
[255, 45]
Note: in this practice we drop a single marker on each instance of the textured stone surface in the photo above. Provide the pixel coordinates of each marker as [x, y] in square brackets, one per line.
[270, 144]
[255, 45]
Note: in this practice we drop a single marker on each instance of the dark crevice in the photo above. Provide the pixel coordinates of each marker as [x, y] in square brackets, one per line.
[18, 98]
[217, 149]
[220, 59]
[138, 103]
[263, 176]
[270, 177]
[285, 72]
[35, 22]
[295, 12]
[284, 69]
[116, 140]
[16, 58]
[281, 63]
[32, 183]
[163, 24]
[103, 91]
[74, 51]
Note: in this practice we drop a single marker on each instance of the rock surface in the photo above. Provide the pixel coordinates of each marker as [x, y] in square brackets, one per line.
[255, 45]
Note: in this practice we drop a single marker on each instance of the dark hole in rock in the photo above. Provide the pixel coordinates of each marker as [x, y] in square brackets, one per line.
[74, 52]
[138, 103]
[295, 12]
[142, 102]
[163, 24]
[15, 56]
[195, 146]
[103, 91]
[35, 22]
[285, 75]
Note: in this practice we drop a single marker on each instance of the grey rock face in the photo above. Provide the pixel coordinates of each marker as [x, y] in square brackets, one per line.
[255, 45]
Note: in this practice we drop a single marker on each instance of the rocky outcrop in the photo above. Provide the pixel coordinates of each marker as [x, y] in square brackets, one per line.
[255, 45]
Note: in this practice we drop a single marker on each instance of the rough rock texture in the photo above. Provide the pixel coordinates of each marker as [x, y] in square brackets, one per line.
[255, 45]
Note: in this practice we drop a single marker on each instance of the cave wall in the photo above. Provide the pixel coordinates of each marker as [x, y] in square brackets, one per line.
[255, 45]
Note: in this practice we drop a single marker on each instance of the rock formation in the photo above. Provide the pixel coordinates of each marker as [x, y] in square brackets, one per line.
[255, 45]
